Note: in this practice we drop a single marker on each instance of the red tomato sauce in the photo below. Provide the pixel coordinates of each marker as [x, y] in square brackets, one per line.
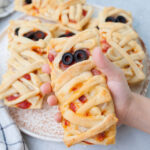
[24, 105]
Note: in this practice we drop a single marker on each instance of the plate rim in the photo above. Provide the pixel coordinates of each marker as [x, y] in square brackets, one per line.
[8, 12]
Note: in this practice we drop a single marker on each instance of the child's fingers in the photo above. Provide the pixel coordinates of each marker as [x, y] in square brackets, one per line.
[52, 100]
[46, 69]
[46, 88]
[58, 117]
[105, 66]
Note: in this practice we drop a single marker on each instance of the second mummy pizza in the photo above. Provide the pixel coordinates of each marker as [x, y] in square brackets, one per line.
[115, 15]
[35, 7]
[26, 34]
[21, 83]
[72, 13]
[84, 98]
[34, 35]
[121, 44]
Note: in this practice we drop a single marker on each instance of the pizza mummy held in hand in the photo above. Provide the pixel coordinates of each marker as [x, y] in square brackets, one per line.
[81, 89]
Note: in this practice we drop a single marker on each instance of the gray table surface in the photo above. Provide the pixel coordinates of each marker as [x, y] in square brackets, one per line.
[127, 137]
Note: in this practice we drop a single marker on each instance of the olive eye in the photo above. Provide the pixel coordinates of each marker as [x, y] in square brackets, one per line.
[67, 59]
[16, 31]
[110, 19]
[97, 27]
[29, 35]
[39, 35]
[35, 35]
[28, 1]
[121, 19]
[80, 55]
[67, 35]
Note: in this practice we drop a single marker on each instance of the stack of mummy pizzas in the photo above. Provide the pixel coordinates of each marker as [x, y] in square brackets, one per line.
[67, 45]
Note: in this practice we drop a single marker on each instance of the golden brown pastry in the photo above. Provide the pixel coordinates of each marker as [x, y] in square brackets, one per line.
[34, 35]
[72, 13]
[37, 7]
[120, 43]
[115, 15]
[21, 83]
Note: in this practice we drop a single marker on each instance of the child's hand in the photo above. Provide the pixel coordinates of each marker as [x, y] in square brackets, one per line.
[131, 108]
[46, 89]
[115, 80]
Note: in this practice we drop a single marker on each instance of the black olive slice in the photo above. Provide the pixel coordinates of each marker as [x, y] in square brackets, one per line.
[110, 19]
[16, 31]
[97, 27]
[29, 35]
[121, 19]
[35, 36]
[39, 35]
[80, 55]
[28, 1]
[67, 59]
[67, 35]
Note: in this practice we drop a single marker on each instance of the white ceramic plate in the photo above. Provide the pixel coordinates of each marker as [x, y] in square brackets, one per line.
[7, 9]
[40, 123]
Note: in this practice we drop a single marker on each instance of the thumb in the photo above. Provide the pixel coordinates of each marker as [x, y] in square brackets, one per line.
[105, 66]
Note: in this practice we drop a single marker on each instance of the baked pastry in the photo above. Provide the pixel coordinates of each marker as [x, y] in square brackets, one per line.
[72, 13]
[112, 14]
[25, 34]
[93, 23]
[62, 31]
[120, 43]
[35, 7]
[84, 99]
[34, 35]
[21, 83]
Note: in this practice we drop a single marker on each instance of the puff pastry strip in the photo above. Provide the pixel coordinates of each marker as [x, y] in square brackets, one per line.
[93, 23]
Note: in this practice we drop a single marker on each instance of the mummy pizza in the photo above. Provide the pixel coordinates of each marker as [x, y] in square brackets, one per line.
[93, 23]
[62, 31]
[25, 34]
[112, 14]
[21, 83]
[72, 13]
[35, 7]
[34, 35]
[84, 99]
[121, 45]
